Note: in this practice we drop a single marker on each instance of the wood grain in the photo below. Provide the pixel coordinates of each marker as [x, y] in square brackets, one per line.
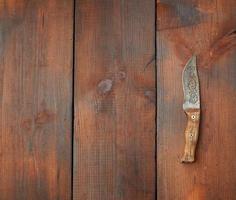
[114, 144]
[191, 135]
[35, 99]
[205, 28]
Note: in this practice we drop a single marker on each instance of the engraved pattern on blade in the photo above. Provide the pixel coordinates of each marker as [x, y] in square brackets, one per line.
[191, 85]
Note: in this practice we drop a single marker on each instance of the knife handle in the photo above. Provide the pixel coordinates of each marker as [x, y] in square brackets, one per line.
[191, 135]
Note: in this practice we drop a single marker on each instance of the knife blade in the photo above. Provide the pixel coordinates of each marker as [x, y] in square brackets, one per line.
[191, 107]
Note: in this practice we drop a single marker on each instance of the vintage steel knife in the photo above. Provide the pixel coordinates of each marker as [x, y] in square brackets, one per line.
[191, 107]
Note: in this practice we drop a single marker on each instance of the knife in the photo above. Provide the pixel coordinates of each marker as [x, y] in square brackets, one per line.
[191, 107]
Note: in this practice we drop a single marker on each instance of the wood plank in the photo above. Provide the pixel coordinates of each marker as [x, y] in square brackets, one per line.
[206, 28]
[35, 99]
[114, 146]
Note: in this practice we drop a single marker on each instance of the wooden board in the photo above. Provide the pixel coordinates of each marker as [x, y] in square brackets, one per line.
[208, 29]
[35, 99]
[114, 143]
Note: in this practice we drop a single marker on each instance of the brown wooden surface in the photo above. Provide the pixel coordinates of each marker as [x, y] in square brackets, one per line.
[35, 99]
[114, 146]
[206, 28]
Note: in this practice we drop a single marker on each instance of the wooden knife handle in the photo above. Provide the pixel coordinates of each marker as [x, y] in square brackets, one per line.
[191, 135]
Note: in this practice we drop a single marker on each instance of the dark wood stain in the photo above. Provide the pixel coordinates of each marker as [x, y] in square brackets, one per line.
[177, 14]
[212, 38]
[114, 143]
[121, 100]
[36, 97]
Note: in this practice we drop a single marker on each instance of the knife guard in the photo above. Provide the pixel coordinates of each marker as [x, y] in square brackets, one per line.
[191, 135]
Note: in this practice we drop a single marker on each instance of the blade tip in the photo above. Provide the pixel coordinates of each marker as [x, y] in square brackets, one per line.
[193, 59]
